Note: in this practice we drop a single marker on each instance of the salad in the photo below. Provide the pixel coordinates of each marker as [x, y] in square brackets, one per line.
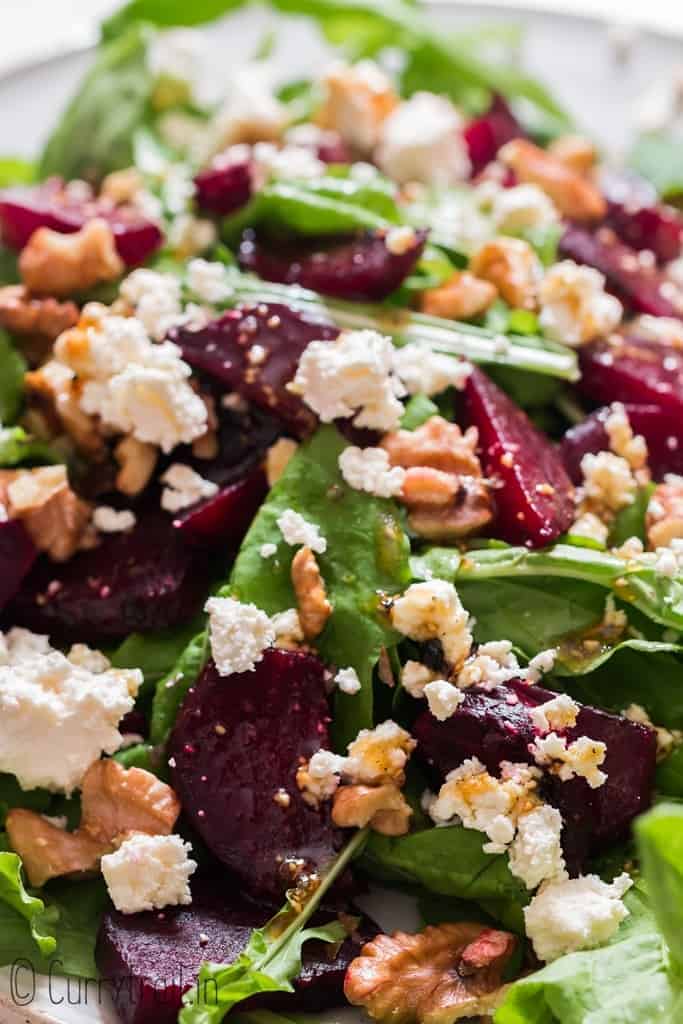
[341, 538]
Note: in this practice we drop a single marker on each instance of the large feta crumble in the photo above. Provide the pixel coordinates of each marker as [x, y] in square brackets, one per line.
[297, 530]
[184, 487]
[575, 308]
[369, 470]
[443, 698]
[379, 755]
[582, 757]
[208, 281]
[149, 873]
[535, 853]
[608, 482]
[422, 141]
[58, 713]
[239, 634]
[433, 611]
[557, 714]
[347, 680]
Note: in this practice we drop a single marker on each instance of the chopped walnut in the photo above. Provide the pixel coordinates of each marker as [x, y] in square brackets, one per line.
[54, 516]
[513, 267]
[137, 461]
[52, 395]
[122, 186]
[576, 152]
[440, 975]
[358, 99]
[24, 314]
[383, 808]
[461, 297]
[664, 519]
[278, 457]
[573, 194]
[311, 597]
[48, 851]
[56, 264]
[437, 444]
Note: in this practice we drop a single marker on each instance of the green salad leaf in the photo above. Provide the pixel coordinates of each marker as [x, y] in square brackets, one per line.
[16, 171]
[172, 688]
[15, 902]
[18, 448]
[658, 156]
[660, 843]
[155, 654]
[12, 370]
[12, 795]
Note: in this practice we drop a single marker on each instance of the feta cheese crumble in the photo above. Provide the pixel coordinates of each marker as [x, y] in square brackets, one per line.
[581, 757]
[287, 628]
[297, 530]
[58, 714]
[422, 141]
[443, 698]
[149, 873]
[557, 714]
[492, 665]
[379, 755]
[575, 913]
[208, 281]
[400, 240]
[267, 550]
[369, 470]
[535, 853]
[347, 680]
[520, 207]
[591, 527]
[155, 298]
[575, 308]
[239, 634]
[622, 440]
[320, 778]
[423, 372]
[432, 610]
[110, 520]
[184, 487]
[608, 481]
[414, 678]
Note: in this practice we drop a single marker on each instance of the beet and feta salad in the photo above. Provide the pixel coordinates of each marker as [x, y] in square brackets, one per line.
[341, 540]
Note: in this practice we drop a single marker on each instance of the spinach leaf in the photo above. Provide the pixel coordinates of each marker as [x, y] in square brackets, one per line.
[12, 370]
[95, 134]
[12, 795]
[659, 158]
[15, 902]
[166, 13]
[367, 554]
[9, 266]
[630, 521]
[660, 843]
[155, 654]
[15, 171]
[171, 689]
[17, 448]
[418, 410]
[669, 778]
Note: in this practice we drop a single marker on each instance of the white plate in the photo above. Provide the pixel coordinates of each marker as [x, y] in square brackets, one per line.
[575, 56]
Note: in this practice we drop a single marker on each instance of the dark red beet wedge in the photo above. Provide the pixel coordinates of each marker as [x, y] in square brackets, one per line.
[361, 270]
[149, 960]
[225, 518]
[333, 150]
[486, 134]
[225, 185]
[255, 350]
[17, 555]
[633, 371]
[534, 501]
[639, 285]
[634, 213]
[139, 581]
[664, 436]
[23, 210]
[237, 743]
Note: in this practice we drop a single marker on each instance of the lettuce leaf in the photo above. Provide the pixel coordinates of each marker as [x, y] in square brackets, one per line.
[660, 843]
[16, 903]
[12, 370]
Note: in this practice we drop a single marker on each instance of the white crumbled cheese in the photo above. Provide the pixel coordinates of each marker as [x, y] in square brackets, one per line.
[369, 470]
[400, 240]
[156, 299]
[287, 628]
[267, 550]
[251, 111]
[378, 755]
[358, 97]
[443, 698]
[536, 851]
[208, 281]
[581, 757]
[524, 206]
[291, 162]
[665, 330]
[351, 376]
[239, 634]
[110, 520]
[575, 308]
[555, 715]
[608, 480]
[190, 236]
[149, 873]
[297, 530]
[422, 141]
[414, 678]
[492, 665]
[58, 714]
[423, 372]
[433, 611]
[591, 527]
[321, 776]
[575, 913]
[347, 680]
[541, 664]
[622, 440]
[184, 487]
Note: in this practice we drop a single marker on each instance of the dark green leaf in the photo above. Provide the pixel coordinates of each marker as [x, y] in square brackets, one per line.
[660, 842]
[17, 448]
[171, 690]
[12, 370]
[155, 654]
[16, 901]
[659, 158]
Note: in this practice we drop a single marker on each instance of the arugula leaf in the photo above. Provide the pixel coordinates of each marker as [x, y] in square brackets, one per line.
[12, 370]
[272, 957]
[13, 896]
[95, 134]
[660, 843]
[367, 554]
[658, 157]
[18, 448]
[16, 171]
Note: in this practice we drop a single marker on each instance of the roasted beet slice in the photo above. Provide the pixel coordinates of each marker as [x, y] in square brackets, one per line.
[225, 518]
[139, 581]
[255, 350]
[225, 185]
[639, 285]
[639, 219]
[237, 743]
[664, 436]
[534, 501]
[332, 149]
[150, 959]
[17, 555]
[486, 134]
[360, 269]
[629, 370]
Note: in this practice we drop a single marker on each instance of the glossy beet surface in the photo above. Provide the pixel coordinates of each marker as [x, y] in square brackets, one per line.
[226, 517]
[236, 743]
[361, 269]
[23, 210]
[534, 502]
[486, 134]
[639, 219]
[488, 726]
[139, 581]
[225, 185]
[640, 286]
[663, 434]
[256, 350]
[17, 555]
[150, 959]
[633, 371]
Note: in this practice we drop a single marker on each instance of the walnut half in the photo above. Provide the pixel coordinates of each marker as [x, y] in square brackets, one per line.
[440, 975]
[311, 597]
[383, 808]
[54, 264]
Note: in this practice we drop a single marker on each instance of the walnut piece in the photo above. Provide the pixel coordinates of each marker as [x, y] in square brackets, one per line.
[54, 516]
[137, 461]
[461, 297]
[24, 314]
[122, 186]
[440, 975]
[277, 458]
[664, 519]
[383, 808]
[311, 596]
[513, 267]
[55, 264]
[574, 195]
[115, 802]
[437, 444]
[576, 152]
[54, 397]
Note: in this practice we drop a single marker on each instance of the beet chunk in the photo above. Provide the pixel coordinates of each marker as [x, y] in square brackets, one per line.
[256, 350]
[663, 434]
[236, 743]
[535, 500]
[633, 371]
[486, 134]
[17, 555]
[360, 269]
[225, 185]
[151, 959]
[634, 213]
[139, 581]
[226, 517]
[641, 287]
